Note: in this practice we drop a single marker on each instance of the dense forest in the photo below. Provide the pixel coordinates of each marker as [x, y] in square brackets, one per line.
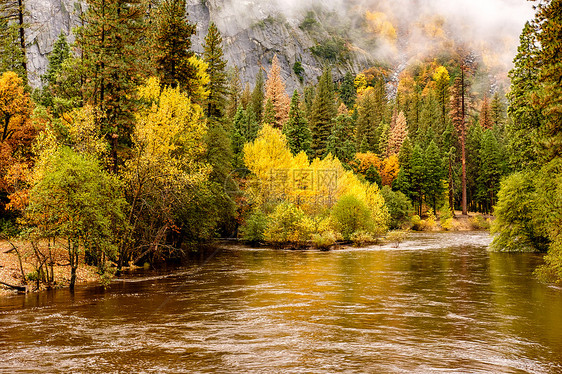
[136, 148]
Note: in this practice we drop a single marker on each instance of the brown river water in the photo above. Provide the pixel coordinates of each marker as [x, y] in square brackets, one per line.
[439, 303]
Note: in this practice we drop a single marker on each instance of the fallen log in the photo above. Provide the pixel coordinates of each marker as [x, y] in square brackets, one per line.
[18, 288]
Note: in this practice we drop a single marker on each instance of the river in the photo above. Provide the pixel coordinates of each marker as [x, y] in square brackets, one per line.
[439, 303]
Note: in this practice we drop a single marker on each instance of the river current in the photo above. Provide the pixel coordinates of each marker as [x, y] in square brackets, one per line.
[437, 303]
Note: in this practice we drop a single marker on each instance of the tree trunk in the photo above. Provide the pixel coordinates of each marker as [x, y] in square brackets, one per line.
[21, 10]
[463, 145]
[451, 187]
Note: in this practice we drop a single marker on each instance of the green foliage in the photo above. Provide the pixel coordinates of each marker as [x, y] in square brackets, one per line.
[112, 58]
[258, 97]
[341, 143]
[322, 113]
[399, 207]
[60, 52]
[433, 186]
[347, 91]
[74, 198]
[351, 215]
[171, 45]
[299, 70]
[214, 57]
[12, 56]
[254, 227]
[515, 213]
[333, 50]
[296, 129]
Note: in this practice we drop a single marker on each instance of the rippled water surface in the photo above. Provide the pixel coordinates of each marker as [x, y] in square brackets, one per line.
[439, 303]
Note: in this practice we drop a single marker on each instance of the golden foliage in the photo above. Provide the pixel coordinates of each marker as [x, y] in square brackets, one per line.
[389, 170]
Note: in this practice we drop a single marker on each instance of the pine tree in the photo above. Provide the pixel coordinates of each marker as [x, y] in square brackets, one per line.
[296, 129]
[322, 114]
[403, 181]
[369, 119]
[269, 113]
[171, 49]
[417, 177]
[384, 137]
[275, 92]
[13, 36]
[341, 143]
[257, 99]
[433, 186]
[234, 93]
[12, 57]
[347, 91]
[490, 168]
[214, 57]
[497, 109]
[60, 52]
[523, 129]
[549, 94]
[109, 44]
[397, 135]
[458, 117]
[485, 114]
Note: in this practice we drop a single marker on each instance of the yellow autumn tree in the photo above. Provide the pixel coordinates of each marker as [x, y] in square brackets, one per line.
[275, 92]
[166, 169]
[307, 188]
[389, 170]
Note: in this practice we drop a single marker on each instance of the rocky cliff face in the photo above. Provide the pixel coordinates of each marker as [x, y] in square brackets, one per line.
[253, 32]
[47, 19]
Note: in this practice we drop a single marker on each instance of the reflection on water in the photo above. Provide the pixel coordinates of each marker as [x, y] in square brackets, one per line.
[437, 303]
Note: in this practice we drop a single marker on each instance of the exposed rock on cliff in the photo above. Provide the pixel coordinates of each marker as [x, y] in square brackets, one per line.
[253, 32]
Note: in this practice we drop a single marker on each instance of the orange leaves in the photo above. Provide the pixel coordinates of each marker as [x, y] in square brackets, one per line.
[387, 168]
[275, 92]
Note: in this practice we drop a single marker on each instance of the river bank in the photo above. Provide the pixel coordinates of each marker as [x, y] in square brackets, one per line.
[12, 273]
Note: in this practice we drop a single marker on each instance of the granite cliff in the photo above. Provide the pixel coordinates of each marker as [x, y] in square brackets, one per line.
[250, 41]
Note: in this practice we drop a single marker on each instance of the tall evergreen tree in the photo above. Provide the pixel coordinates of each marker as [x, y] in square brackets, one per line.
[275, 92]
[257, 98]
[369, 119]
[322, 114]
[417, 177]
[458, 116]
[490, 168]
[433, 184]
[171, 49]
[549, 95]
[214, 57]
[234, 92]
[397, 134]
[485, 114]
[296, 129]
[60, 52]
[341, 143]
[109, 45]
[347, 91]
[526, 120]
[12, 57]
